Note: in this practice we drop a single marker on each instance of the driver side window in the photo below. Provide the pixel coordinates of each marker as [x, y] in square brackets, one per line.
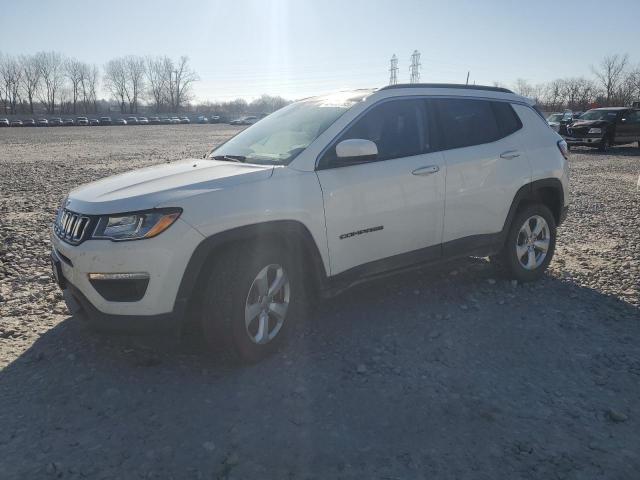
[634, 117]
[397, 127]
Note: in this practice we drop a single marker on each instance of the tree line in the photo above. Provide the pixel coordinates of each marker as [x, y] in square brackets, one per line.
[60, 84]
[615, 82]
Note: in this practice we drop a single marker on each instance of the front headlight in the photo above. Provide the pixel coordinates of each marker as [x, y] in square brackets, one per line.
[136, 225]
[595, 130]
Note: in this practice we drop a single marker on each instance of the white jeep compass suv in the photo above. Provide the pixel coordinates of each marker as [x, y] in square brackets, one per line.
[324, 193]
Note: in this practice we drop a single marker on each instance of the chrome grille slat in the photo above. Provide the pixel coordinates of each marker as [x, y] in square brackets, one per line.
[71, 227]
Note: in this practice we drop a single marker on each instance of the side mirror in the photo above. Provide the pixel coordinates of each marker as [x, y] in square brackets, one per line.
[356, 150]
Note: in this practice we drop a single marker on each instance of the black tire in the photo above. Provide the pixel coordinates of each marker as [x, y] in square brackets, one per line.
[508, 259]
[604, 144]
[228, 286]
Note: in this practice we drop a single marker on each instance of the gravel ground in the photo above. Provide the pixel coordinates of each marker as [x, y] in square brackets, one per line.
[449, 373]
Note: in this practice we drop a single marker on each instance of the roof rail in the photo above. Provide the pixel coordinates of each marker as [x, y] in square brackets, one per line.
[447, 85]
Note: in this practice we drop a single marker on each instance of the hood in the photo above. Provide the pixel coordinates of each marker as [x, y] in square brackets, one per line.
[589, 123]
[161, 184]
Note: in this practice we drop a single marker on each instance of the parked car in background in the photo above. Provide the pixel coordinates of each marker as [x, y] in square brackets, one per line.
[119, 121]
[250, 120]
[143, 121]
[215, 119]
[68, 122]
[105, 121]
[29, 122]
[16, 123]
[174, 120]
[185, 120]
[4, 122]
[55, 122]
[165, 121]
[604, 127]
[82, 121]
[132, 121]
[42, 122]
[155, 121]
[94, 122]
[555, 118]
[202, 119]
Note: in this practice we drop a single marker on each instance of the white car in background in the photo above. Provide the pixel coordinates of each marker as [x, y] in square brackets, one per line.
[323, 194]
[556, 119]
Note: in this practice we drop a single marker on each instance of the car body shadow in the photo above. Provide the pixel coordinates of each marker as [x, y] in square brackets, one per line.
[391, 378]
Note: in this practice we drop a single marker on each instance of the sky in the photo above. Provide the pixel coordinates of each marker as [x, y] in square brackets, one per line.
[308, 47]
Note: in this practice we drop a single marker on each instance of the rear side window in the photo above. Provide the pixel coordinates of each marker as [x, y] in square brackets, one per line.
[507, 118]
[466, 122]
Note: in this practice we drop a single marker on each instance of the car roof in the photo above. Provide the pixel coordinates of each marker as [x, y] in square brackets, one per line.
[448, 85]
[611, 108]
[350, 97]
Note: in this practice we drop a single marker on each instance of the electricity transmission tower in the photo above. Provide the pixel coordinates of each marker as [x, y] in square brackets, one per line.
[393, 77]
[415, 67]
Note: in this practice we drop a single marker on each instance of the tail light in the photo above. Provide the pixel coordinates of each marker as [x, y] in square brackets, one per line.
[564, 149]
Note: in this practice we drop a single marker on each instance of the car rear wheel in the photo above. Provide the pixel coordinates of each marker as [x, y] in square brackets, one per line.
[252, 298]
[530, 243]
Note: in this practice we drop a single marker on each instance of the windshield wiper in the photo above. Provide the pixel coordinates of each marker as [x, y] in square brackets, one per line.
[230, 158]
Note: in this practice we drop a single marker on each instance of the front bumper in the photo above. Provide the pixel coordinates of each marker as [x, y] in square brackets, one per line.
[80, 306]
[163, 258]
[583, 141]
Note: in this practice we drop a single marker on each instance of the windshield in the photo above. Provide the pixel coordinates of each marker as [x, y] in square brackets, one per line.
[600, 115]
[280, 137]
[556, 117]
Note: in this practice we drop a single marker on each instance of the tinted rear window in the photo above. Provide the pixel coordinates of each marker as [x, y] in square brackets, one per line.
[508, 120]
[466, 122]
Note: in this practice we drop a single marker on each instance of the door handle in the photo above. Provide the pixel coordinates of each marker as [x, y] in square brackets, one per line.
[509, 154]
[428, 170]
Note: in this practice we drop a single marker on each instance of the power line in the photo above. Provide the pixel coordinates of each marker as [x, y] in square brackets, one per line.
[393, 77]
[414, 69]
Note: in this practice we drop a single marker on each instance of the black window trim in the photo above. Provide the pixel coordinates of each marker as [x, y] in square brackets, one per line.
[440, 147]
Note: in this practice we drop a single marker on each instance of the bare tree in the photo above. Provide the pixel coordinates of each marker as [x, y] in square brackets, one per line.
[610, 73]
[115, 81]
[181, 78]
[135, 73]
[156, 81]
[523, 87]
[31, 78]
[11, 77]
[74, 71]
[91, 82]
[633, 79]
[51, 65]
[552, 97]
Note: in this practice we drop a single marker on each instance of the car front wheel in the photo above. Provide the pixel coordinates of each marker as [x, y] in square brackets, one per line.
[251, 301]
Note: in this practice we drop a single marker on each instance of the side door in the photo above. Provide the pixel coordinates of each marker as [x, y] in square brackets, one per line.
[486, 165]
[623, 128]
[392, 204]
[628, 127]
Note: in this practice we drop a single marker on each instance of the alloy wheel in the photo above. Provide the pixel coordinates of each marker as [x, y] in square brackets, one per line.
[532, 242]
[267, 304]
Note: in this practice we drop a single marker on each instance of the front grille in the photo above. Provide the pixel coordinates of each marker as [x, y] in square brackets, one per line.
[578, 131]
[71, 227]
